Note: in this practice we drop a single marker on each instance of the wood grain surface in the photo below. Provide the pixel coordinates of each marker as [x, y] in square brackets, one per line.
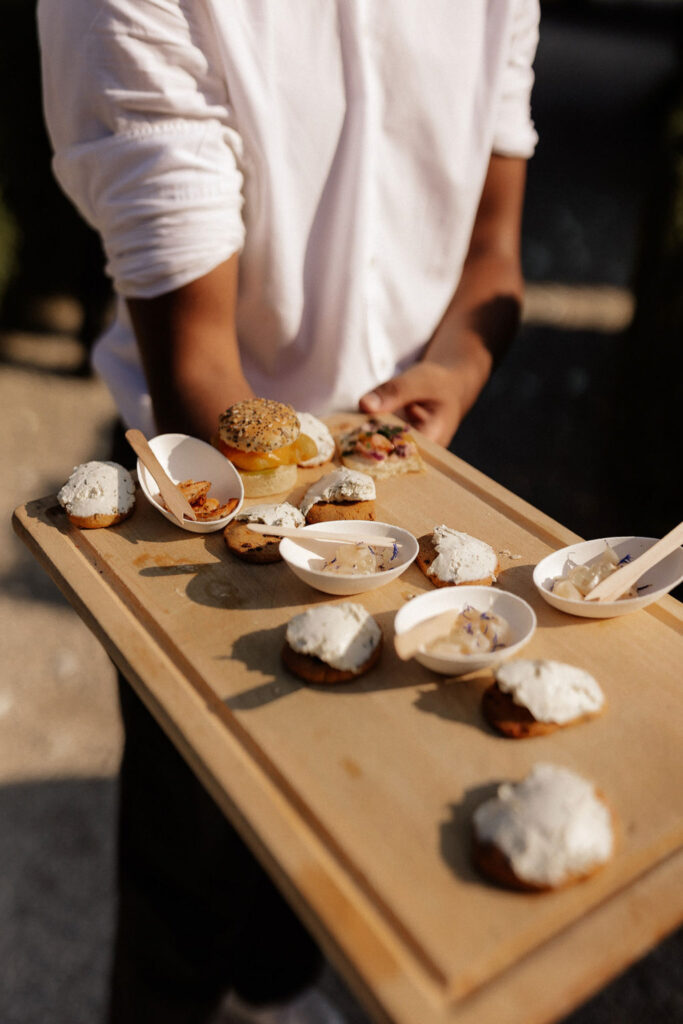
[358, 798]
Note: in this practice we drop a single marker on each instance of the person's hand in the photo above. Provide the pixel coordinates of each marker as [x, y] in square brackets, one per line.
[429, 396]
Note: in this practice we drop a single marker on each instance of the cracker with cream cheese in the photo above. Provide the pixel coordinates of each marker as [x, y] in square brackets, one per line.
[550, 830]
[341, 494]
[450, 558]
[332, 643]
[537, 697]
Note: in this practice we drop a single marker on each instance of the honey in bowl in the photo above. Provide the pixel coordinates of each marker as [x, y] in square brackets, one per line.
[473, 632]
[360, 559]
[579, 580]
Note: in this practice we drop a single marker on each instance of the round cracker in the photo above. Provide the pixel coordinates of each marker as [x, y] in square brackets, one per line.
[314, 670]
[515, 721]
[490, 860]
[257, 548]
[330, 511]
[100, 520]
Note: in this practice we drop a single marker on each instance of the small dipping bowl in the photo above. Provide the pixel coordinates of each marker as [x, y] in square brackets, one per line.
[519, 616]
[187, 458]
[305, 560]
[655, 582]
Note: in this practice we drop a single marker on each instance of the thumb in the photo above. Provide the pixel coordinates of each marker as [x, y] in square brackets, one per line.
[391, 396]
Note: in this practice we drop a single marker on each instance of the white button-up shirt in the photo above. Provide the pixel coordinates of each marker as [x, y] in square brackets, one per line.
[340, 146]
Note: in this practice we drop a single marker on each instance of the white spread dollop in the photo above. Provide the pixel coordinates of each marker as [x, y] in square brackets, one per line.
[314, 428]
[98, 488]
[338, 486]
[551, 826]
[461, 558]
[550, 690]
[281, 514]
[342, 635]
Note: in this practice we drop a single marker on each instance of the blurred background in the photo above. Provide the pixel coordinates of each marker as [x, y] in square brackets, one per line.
[582, 419]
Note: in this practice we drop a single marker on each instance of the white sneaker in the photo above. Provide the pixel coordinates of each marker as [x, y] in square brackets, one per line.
[311, 1007]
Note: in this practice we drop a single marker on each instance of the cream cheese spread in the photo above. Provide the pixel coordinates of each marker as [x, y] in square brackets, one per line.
[461, 558]
[551, 826]
[98, 488]
[551, 690]
[281, 514]
[314, 428]
[338, 486]
[342, 635]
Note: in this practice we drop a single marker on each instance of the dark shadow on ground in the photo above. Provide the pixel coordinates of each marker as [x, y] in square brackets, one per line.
[56, 900]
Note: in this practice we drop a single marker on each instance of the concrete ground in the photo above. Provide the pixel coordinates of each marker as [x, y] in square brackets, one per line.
[60, 737]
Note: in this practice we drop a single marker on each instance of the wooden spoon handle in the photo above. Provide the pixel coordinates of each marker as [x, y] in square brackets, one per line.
[299, 534]
[176, 501]
[612, 587]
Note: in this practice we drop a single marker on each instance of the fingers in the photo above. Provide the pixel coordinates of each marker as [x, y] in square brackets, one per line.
[388, 397]
[417, 415]
[425, 395]
[397, 394]
[436, 424]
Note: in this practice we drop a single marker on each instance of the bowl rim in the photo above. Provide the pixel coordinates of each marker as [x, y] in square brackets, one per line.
[203, 526]
[483, 659]
[623, 602]
[350, 575]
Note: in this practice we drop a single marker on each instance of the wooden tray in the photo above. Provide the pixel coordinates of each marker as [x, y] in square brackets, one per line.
[358, 798]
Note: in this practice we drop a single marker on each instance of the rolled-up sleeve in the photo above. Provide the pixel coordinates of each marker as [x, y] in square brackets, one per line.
[140, 123]
[514, 133]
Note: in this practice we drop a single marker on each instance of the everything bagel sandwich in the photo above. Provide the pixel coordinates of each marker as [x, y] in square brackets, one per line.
[263, 440]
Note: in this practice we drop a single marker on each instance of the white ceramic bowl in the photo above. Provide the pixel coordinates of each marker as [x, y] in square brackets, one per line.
[187, 458]
[519, 615]
[656, 581]
[305, 561]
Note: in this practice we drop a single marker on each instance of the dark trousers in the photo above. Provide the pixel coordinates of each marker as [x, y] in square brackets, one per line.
[197, 915]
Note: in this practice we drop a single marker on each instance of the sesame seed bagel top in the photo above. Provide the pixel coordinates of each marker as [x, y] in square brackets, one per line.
[259, 424]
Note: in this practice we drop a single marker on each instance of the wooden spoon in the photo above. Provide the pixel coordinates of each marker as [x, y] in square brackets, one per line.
[612, 587]
[296, 533]
[176, 501]
[407, 644]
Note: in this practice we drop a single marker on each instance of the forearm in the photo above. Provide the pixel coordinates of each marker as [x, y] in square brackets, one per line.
[435, 393]
[189, 350]
[481, 320]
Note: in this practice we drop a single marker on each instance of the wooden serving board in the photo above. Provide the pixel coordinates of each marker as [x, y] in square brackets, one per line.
[358, 798]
